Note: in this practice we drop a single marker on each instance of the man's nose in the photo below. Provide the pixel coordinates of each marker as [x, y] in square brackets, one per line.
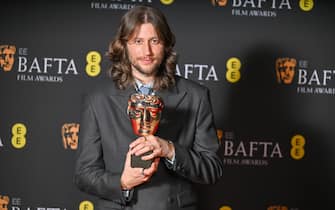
[147, 48]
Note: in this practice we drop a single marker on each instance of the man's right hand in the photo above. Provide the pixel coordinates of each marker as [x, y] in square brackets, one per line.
[132, 177]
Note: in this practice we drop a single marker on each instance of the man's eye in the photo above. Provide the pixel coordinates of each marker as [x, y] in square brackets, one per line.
[155, 41]
[138, 41]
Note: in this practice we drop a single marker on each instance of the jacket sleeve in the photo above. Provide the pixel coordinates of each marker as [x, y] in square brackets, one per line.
[90, 174]
[200, 162]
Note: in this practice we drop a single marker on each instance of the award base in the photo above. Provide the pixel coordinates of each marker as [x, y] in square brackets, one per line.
[137, 162]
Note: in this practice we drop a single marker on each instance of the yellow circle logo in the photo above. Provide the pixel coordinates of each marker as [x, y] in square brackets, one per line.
[233, 73]
[19, 131]
[86, 205]
[93, 60]
[297, 151]
[233, 64]
[233, 76]
[225, 208]
[167, 2]
[306, 5]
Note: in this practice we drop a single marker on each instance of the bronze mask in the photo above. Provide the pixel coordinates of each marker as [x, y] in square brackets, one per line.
[145, 112]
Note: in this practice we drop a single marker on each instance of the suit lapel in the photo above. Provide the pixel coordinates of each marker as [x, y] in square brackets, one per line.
[170, 119]
[172, 97]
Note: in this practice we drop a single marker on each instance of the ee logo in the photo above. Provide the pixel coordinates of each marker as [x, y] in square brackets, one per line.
[86, 205]
[93, 60]
[306, 5]
[297, 151]
[19, 131]
[167, 2]
[233, 73]
[225, 208]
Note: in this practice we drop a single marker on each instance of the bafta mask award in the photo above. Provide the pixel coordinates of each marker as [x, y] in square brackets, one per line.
[144, 112]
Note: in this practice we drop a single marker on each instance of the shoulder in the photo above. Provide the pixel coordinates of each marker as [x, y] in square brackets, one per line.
[101, 89]
[183, 84]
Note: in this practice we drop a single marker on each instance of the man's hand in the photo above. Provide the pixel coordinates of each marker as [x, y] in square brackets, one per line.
[132, 177]
[159, 147]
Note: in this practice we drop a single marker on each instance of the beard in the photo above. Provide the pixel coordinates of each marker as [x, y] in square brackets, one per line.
[147, 66]
[148, 71]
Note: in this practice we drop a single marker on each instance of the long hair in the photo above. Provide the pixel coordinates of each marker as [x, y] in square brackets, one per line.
[120, 70]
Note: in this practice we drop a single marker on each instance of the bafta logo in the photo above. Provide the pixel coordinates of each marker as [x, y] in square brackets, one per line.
[7, 53]
[285, 69]
[70, 135]
[220, 3]
[4, 201]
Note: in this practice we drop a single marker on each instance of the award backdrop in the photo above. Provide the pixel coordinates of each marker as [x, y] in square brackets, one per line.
[269, 64]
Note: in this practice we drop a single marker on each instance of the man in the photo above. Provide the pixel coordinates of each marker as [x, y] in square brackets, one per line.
[183, 150]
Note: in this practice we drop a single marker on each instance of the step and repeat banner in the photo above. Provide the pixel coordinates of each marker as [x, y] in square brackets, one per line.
[269, 64]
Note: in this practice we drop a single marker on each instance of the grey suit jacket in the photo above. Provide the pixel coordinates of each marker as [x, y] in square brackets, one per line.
[106, 132]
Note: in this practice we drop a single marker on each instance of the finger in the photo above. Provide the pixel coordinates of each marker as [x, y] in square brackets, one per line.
[148, 155]
[156, 160]
[146, 178]
[137, 148]
[140, 150]
[128, 157]
[153, 139]
[140, 146]
[153, 167]
[138, 141]
[146, 174]
[156, 142]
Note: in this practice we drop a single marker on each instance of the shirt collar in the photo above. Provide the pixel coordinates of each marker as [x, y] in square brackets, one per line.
[139, 84]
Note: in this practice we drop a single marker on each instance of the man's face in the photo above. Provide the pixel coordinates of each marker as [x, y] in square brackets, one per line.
[145, 112]
[145, 51]
[7, 58]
